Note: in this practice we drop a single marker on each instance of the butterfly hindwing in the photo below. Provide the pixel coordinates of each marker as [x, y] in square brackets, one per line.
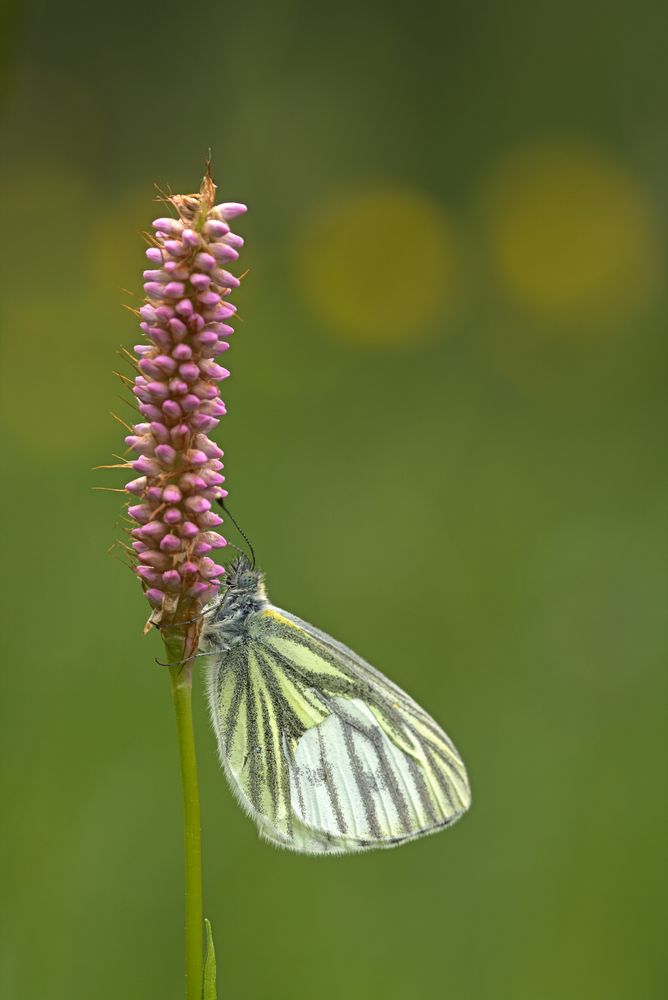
[324, 751]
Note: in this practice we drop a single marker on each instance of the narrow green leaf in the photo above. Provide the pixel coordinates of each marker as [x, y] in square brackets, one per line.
[209, 988]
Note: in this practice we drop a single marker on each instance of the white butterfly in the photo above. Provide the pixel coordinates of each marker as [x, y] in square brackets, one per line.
[324, 752]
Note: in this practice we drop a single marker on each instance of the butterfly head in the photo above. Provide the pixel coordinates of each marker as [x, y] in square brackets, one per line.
[244, 579]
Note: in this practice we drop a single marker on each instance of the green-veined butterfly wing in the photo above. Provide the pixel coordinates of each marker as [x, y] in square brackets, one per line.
[324, 752]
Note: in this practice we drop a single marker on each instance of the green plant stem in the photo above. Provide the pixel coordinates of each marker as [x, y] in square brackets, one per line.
[181, 678]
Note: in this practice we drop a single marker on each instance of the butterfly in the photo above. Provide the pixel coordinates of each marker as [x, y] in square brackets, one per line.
[325, 753]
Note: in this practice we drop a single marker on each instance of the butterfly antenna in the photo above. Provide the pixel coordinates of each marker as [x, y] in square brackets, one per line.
[242, 533]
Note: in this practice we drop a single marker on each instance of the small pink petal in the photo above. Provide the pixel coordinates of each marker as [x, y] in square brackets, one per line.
[196, 457]
[171, 408]
[167, 225]
[182, 353]
[171, 580]
[205, 261]
[154, 530]
[170, 543]
[196, 504]
[189, 530]
[155, 596]
[137, 486]
[171, 494]
[215, 228]
[148, 575]
[230, 209]
[166, 454]
[190, 238]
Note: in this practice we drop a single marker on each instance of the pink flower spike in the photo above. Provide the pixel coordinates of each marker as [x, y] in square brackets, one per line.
[177, 391]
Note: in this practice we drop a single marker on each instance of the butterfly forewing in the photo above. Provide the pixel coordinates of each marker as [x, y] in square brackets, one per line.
[324, 751]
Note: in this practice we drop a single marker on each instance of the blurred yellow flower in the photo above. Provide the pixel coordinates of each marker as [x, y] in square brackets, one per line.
[571, 232]
[379, 267]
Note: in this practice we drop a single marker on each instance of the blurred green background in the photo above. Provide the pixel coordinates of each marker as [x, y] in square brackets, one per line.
[446, 414]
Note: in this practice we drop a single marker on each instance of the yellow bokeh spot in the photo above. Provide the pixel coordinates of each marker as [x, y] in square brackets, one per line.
[379, 267]
[571, 232]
